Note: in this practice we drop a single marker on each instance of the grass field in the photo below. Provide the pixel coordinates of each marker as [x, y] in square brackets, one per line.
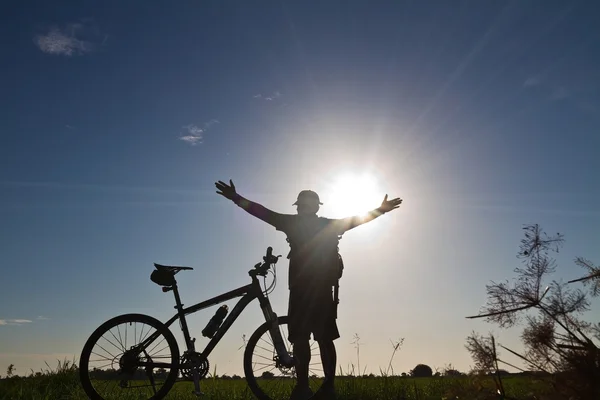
[64, 384]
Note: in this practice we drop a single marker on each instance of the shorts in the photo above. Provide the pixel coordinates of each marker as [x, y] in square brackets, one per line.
[312, 310]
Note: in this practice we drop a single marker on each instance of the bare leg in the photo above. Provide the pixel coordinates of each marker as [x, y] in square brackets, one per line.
[302, 355]
[329, 360]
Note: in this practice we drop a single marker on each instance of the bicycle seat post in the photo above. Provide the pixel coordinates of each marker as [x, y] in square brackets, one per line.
[189, 341]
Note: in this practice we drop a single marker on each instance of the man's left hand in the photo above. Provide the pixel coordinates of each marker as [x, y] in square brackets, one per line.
[389, 205]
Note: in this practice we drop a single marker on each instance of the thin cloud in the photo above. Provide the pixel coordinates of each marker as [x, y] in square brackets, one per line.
[14, 321]
[533, 81]
[271, 97]
[195, 134]
[550, 89]
[60, 43]
[42, 318]
[74, 39]
[560, 93]
[193, 140]
[210, 123]
[194, 130]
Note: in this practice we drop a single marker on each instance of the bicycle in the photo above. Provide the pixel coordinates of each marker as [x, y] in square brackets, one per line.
[139, 361]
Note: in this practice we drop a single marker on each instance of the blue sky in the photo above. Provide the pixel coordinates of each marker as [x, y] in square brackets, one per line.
[117, 119]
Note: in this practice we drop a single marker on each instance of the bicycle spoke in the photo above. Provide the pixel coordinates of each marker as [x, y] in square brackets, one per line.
[265, 366]
[114, 345]
[141, 333]
[156, 345]
[111, 376]
[120, 338]
[262, 348]
[106, 365]
[272, 379]
[107, 351]
[257, 363]
[117, 340]
[264, 357]
[288, 345]
[269, 342]
[106, 358]
[166, 347]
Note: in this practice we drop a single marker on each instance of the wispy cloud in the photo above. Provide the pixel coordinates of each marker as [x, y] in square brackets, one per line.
[549, 87]
[62, 43]
[42, 318]
[73, 39]
[271, 97]
[559, 93]
[14, 321]
[194, 134]
[577, 90]
[532, 81]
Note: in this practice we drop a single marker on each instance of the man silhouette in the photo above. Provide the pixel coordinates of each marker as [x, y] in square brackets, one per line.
[314, 269]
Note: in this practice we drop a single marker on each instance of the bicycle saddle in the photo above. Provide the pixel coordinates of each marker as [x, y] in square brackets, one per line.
[172, 268]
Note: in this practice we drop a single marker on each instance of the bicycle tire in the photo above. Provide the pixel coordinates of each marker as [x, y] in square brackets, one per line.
[249, 351]
[129, 318]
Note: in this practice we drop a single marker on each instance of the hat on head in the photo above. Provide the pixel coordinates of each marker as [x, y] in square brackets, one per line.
[307, 195]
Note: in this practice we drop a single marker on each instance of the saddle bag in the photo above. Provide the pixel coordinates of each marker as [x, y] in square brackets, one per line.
[162, 277]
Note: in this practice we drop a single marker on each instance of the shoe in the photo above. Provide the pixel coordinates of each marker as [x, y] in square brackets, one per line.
[325, 392]
[301, 393]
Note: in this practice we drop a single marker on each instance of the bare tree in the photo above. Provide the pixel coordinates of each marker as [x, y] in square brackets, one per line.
[556, 338]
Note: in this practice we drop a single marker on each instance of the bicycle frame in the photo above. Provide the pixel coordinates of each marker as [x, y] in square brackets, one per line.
[247, 293]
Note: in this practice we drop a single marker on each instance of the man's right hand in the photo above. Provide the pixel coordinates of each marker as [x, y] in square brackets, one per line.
[225, 190]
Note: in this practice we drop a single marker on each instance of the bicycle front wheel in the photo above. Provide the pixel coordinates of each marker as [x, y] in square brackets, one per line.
[113, 365]
[267, 379]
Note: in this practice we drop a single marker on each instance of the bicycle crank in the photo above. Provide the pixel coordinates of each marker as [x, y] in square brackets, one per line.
[193, 362]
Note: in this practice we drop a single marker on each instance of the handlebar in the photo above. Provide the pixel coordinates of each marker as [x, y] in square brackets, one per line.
[270, 258]
[262, 268]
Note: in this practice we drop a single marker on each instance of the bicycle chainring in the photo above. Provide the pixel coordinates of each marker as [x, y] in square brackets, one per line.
[191, 362]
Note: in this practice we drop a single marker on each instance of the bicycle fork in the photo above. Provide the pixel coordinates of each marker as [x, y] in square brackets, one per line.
[283, 355]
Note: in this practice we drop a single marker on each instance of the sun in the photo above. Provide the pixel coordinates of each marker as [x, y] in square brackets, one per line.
[353, 194]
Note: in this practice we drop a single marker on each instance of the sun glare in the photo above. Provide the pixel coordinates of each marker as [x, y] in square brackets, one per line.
[354, 194]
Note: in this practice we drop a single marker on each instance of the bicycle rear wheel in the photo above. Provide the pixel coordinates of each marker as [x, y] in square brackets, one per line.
[267, 379]
[113, 366]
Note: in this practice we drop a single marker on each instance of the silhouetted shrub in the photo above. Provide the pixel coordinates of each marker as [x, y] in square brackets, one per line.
[421, 371]
[452, 372]
[267, 375]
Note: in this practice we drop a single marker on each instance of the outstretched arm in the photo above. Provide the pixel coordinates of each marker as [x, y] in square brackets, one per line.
[252, 208]
[345, 224]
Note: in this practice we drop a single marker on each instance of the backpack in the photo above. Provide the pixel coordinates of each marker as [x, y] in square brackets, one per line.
[328, 241]
[328, 244]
